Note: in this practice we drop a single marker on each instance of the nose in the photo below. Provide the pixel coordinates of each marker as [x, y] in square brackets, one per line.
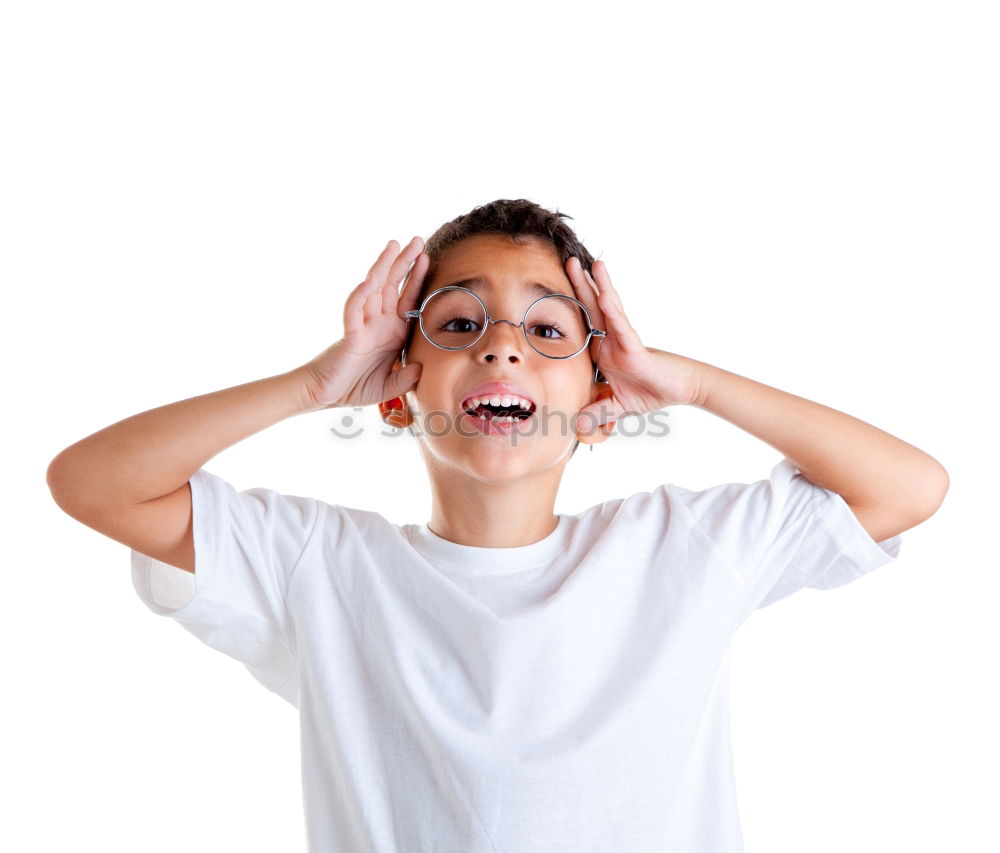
[502, 341]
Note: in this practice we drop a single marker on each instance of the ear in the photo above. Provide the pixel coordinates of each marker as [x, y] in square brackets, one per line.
[601, 391]
[396, 412]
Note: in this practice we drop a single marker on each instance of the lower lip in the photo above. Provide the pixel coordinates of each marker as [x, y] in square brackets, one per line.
[488, 426]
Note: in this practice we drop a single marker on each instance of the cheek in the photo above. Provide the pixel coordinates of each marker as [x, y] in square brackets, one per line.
[417, 353]
[435, 386]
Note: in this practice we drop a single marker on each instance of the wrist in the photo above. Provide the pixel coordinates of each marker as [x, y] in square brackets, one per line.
[302, 383]
[715, 387]
[686, 379]
[701, 378]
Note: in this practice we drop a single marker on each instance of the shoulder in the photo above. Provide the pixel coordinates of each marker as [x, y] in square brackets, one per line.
[274, 508]
[632, 508]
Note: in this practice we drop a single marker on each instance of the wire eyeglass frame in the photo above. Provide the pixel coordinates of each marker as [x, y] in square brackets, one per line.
[600, 334]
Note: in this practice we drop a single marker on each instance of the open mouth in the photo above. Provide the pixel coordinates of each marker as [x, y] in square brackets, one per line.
[504, 409]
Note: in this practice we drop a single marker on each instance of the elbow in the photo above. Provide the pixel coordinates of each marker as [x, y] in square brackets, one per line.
[62, 481]
[55, 478]
[934, 486]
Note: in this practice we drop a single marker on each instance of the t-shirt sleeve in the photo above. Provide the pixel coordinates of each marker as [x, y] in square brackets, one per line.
[784, 533]
[247, 544]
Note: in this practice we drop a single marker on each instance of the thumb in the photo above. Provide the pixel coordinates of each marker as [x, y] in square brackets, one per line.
[402, 380]
[602, 412]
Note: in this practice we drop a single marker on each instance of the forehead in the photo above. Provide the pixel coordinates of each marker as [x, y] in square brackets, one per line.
[488, 264]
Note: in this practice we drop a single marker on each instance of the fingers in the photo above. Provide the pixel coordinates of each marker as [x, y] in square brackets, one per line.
[587, 294]
[585, 291]
[365, 302]
[356, 309]
[611, 307]
[390, 291]
[377, 269]
[411, 287]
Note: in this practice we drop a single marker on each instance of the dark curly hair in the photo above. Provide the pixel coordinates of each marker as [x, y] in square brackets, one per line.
[514, 217]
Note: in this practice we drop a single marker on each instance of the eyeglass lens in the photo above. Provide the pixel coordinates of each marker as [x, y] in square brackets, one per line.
[554, 326]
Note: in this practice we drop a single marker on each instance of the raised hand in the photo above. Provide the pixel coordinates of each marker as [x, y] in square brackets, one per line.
[357, 369]
[641, 379]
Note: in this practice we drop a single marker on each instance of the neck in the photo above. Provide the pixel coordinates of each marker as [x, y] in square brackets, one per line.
[509, 514]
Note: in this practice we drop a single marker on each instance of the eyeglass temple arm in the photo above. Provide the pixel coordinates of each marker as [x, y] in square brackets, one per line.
[598, 376]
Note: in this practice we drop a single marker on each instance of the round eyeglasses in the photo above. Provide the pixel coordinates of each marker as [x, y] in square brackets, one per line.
[555, 326]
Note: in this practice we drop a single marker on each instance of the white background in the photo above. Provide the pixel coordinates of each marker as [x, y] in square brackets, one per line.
[802, 193]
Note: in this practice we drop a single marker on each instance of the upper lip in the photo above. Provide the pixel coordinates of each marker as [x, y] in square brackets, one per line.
[493, 389]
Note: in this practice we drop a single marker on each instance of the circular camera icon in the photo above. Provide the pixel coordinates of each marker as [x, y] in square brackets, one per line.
[344, 428]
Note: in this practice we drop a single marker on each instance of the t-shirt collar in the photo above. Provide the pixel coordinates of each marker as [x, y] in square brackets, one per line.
[474, 559]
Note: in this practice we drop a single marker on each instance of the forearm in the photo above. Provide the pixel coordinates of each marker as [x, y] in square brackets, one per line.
[154, 453]
[864, 465]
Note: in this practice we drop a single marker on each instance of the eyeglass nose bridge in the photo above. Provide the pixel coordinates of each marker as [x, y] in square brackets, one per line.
[492, 322]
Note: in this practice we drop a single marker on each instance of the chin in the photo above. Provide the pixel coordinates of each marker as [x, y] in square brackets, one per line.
[506, 463]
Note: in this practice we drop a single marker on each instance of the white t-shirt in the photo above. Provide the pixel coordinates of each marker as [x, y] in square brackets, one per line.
[568, 695]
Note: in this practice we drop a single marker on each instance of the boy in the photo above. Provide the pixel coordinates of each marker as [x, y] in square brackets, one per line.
[502, 677]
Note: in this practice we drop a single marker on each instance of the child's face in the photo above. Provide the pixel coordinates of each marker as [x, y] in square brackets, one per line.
[559, 388]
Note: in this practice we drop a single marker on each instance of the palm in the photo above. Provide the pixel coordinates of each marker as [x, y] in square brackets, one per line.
[357, 369]
[641, 379]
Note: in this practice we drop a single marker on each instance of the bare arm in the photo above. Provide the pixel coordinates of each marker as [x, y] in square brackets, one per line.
[890, 485]
[130, 480]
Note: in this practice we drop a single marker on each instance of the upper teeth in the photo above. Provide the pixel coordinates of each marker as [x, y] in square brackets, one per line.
[505, 401]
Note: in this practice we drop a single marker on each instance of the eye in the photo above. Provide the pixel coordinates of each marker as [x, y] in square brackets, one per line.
[550, 326]
[460, 320]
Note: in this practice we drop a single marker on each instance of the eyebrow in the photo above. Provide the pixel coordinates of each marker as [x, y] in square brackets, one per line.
[478, 283]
